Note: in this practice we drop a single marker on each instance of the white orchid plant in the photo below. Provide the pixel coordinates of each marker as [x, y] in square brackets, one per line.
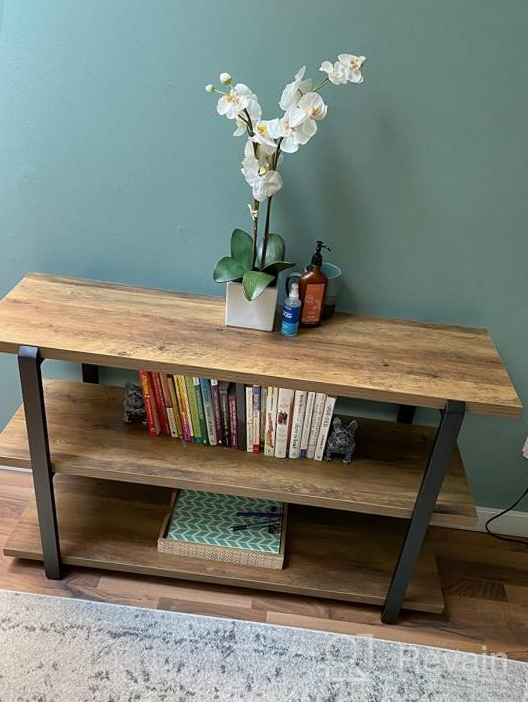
[257, 263]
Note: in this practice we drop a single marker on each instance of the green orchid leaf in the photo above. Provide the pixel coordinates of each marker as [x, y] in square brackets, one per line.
[275, 250]
[275, 268]
[227, 269]
[255, 282]
[242, 248]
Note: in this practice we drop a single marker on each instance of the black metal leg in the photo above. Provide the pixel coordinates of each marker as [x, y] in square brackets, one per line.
[406, 414]
[29, 363]
[90, 374]
[445, 441]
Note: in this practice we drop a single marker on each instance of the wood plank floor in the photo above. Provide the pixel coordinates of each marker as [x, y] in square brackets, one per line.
[485, 584]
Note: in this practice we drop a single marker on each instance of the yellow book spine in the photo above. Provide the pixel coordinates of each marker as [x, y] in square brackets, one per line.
[181, 394]
[193, 406]
[175, 407]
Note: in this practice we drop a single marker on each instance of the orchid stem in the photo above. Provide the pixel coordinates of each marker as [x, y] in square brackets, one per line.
[256, 205]
[266, 234]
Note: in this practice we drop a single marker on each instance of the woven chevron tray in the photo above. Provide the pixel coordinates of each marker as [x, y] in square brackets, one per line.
[198, 525]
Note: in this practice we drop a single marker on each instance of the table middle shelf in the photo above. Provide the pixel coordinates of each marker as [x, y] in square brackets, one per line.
[89, 438]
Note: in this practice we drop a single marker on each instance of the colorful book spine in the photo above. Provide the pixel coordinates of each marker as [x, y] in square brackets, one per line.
[249, 419]
[271, 419]
[231, 398]
[150, 404]
[193, 408]
[207, 398]
[217, 412]
[160, 403]
[256, 418]
[305, 436]
[223, 389]
[320, 399]
[183, 405]
[299, 409]
[201, 412]
[174, 401]
[168, 405]
[325, 428]
[241, 416]
[282, 432]
[263, 401]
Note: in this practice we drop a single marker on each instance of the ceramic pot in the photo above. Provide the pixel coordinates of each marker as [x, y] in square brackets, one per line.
[254, 314]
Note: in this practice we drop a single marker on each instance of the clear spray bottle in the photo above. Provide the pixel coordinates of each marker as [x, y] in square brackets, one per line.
[291, 312]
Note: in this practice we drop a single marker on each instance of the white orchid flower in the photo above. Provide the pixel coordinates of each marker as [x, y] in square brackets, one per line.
[263, 136]
[353, 65]
[292, 136]
[310, 106]
[238, 99]
[294, 91]
[337, 72]
[241, 127]
[264, 182]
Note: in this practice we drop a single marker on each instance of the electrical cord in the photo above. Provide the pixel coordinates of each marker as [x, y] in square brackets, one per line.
[511, 539]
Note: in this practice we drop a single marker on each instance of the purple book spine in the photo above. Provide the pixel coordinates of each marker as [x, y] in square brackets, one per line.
[233, 418]
[216, 409]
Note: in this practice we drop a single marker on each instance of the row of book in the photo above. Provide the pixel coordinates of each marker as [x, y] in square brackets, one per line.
[275, 421]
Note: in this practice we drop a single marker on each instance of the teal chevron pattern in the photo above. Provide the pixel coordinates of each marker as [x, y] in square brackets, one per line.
[207, 518]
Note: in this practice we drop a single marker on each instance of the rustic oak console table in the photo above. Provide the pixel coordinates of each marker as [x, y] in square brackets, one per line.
[356, 533]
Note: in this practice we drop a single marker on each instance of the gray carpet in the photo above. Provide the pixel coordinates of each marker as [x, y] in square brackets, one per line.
[57, 650]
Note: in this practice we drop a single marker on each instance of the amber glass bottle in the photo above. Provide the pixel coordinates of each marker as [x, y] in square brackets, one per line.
[312, 288]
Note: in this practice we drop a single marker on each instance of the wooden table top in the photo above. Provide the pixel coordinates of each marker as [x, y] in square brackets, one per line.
[371, 358]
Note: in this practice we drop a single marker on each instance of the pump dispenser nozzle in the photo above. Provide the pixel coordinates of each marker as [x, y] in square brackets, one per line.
[317, 258]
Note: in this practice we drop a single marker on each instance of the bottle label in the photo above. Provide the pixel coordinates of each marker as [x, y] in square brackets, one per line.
[313, 303]
[290, 319]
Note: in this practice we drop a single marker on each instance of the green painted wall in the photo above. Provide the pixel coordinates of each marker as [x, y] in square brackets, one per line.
[114, 164]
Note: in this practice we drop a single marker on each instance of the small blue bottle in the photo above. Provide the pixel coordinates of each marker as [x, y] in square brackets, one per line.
[291, 312]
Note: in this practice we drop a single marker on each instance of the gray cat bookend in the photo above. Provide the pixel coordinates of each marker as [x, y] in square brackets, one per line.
[342, 440]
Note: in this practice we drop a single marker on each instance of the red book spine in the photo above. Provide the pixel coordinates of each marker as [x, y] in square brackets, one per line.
[233, 418]
[150, 409]
[160, 404]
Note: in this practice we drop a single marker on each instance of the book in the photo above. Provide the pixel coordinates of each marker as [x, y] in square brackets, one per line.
[325, 428]
[159, 401]
[231, 399]
[207, 399]
[241, 415]
[193, 408]
[168, 405]
[183, 405]
[249, 419]
[176, 409]
[271, 418]
[297, 423]
[263, 401]
[282, 431]
[223, 389]
[217, 413]
[150, 405]
[320, 399]
[310, 401]
[201, 413]
[256, 418]
[199, 525]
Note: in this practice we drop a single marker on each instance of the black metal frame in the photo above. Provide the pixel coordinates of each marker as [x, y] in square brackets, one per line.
[433, 477]
[90, 373]
[406, 414]
[29, 362]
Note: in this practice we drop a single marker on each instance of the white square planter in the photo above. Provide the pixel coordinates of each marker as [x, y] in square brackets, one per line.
[257, 314]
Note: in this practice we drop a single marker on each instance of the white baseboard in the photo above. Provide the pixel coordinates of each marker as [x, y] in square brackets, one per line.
[512, 524]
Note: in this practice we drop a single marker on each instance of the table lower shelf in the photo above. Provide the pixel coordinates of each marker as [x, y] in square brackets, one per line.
[330, 554]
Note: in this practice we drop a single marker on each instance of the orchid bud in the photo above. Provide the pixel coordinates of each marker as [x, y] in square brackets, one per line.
[225, 78]
[209, 88]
